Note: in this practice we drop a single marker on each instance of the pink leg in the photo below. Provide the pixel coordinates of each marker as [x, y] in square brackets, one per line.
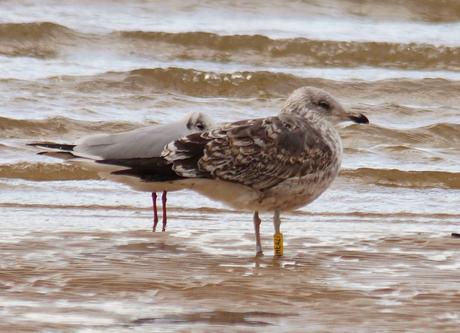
[163, 200]
[155, 212]
[257, 222]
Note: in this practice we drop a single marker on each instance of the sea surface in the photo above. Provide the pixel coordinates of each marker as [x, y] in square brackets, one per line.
[372, 254]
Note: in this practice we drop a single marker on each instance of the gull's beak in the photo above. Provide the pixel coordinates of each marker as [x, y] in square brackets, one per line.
[359, 119]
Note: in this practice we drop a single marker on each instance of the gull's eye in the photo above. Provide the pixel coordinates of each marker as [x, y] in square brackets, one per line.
[325, 105]
[200, 126]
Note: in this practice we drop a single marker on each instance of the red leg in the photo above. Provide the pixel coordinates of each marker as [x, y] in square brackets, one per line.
[163, 199]
[155, 212]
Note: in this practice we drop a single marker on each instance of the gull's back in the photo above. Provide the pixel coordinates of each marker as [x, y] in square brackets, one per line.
[143, 142]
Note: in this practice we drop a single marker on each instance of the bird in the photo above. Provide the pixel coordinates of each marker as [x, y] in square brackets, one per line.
[273, 164]
[141, 143]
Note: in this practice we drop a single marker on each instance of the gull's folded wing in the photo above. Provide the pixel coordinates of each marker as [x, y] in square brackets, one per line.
[259, 153]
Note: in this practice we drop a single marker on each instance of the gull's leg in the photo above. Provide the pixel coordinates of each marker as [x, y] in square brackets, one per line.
[278, 236]
[155, 212]
[257, 222]
[163, 200]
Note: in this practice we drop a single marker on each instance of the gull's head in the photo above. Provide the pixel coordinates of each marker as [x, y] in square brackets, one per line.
[198, 122]
[310, 102]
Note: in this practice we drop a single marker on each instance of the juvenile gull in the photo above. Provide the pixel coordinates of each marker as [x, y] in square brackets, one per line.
[273, 164]
[142, 143]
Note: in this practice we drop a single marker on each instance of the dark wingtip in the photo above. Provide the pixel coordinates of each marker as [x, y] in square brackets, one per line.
[361, 119]
[52, 145]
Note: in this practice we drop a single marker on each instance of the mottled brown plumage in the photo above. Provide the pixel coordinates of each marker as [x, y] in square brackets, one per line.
[258, 153]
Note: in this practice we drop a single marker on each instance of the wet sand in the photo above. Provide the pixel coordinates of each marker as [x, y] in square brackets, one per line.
[341, 274]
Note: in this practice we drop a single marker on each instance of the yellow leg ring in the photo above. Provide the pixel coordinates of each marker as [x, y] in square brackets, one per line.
[278, 244]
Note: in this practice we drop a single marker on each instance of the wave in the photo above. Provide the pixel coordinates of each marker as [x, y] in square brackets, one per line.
[306, 52]
[46, 39]
[46, 172]
[417, 10]
[56, 127]
[400, 178]
[33, 31]
[36, 39]
[435, 135]
[259, 84]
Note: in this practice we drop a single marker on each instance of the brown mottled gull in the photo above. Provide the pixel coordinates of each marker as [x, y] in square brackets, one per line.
[275, 164]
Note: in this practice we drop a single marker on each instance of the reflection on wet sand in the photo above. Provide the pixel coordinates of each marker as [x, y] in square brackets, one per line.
[205, 278]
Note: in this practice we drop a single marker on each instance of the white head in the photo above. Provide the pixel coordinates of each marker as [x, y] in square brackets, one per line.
[198, 122]
[313, 102]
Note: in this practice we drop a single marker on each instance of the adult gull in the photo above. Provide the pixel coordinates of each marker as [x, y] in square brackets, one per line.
[141, 143]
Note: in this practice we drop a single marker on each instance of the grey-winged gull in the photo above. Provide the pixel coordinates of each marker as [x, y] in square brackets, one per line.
[273, 164]
[141, 143]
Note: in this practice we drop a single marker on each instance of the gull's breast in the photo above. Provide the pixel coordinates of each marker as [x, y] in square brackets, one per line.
[294, 193]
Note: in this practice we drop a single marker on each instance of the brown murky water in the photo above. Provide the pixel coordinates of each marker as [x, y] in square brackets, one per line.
[373, 254]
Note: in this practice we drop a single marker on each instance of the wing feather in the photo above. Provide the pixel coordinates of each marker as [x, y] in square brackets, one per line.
[259, 153]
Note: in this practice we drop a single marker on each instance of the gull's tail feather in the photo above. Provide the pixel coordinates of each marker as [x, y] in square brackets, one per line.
[152, 169]
[53, 145]
[57, 150]
[65, 155]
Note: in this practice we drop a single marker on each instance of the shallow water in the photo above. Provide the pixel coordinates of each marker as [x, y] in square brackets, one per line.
[374, 253]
